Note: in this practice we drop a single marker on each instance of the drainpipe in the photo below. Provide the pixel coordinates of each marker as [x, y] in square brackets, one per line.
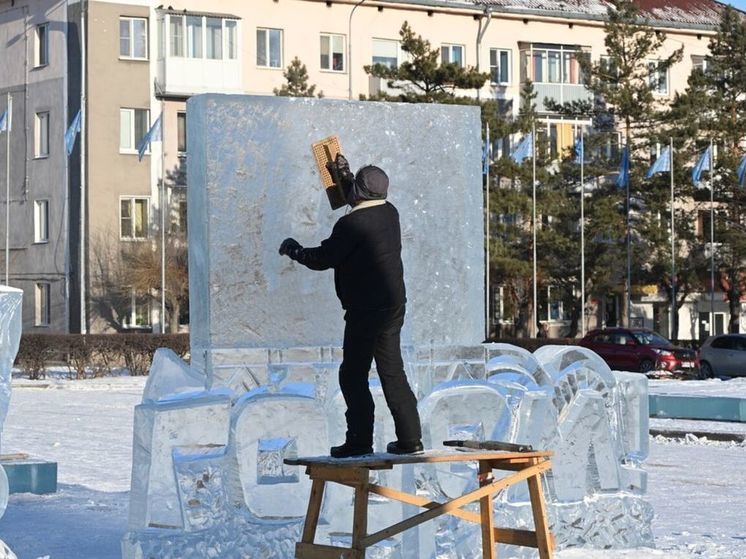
[480, 34]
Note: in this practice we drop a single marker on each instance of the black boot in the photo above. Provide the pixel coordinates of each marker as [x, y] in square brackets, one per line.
[349, 449]
[405, 447]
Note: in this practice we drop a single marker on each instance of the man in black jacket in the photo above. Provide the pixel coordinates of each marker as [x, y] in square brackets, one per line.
[364, 250]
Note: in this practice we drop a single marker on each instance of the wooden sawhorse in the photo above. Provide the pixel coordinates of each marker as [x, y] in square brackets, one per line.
[355, 473]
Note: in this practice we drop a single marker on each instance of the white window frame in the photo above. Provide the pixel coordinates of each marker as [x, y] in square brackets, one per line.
[132, 132]
[41, 135]
[450, 48]
[267, 48]
[229, 33]
[330, 37]
[130, 320]
[132, 200]
[181, 116]
[130, 20]
[700, 60]
[654, 78]
[387, 41]
[41, 221]
[498, 52]
[42, 304]
[41, 45]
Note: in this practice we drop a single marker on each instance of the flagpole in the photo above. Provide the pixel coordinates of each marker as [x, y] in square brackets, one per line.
[163, 219]
[671, 333]
[83, 155]
[712, 241]
[8, 127]
[487, 230]
[533, 199]
[628, 302]
[582, 235]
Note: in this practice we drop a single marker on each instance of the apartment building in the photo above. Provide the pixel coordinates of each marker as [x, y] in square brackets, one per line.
[133, 60]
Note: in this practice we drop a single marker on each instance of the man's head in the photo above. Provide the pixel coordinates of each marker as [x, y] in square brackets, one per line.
[371, 183]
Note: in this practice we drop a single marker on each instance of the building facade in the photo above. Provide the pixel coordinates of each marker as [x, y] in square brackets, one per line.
[127, 62]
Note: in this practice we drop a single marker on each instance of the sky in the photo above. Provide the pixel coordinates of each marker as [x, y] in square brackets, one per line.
[740, 4]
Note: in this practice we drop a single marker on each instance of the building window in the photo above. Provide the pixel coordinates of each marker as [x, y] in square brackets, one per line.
[551, 65]
[178, 211]
[133, 37]
[41, 221]
[332, 52]
[658, 77]
[193, 36]
[269, 48]
[176, 32]
[41, 45]
[41, 134]
[139, 312]
[133, 125]
[133, 218]
[386, 53]
[500, 66]
[42, 304]
[214, 38]
[231, 38]
[700, 63]
[452, 54]
[181, 136]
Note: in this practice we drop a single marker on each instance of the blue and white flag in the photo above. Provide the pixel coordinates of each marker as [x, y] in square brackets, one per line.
[72, 133]
[702, 165]
[4, 124]
[487, 154]
[153, 135]
[623, 179]
[524, 150]
[662, 164]
[579, 150]
[741, 172]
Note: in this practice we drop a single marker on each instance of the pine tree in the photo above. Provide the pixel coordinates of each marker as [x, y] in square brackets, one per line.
[623, 84]
[424, 78]
[296, 76]
[721, 100]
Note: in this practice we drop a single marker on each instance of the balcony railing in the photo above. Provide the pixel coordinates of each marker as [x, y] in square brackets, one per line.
[561, 93]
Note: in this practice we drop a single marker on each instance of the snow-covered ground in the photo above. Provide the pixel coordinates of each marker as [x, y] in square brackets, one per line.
[697, 487]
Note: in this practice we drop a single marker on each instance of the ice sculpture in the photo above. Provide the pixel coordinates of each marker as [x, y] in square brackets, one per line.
[269, 334]
[190, 420]
[266, 428]
[170, 375]
[10, 337]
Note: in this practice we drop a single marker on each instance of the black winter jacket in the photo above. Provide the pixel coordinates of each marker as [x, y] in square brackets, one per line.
[364, 250]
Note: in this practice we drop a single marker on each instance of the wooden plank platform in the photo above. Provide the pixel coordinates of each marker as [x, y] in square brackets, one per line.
[355, 472]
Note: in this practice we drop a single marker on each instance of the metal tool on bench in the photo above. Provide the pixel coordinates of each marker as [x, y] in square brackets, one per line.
[490, 445]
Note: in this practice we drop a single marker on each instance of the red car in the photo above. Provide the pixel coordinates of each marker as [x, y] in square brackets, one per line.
[638, 349]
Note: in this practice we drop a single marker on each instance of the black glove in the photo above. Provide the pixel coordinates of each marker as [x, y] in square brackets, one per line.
[290, 247]
[340, 171]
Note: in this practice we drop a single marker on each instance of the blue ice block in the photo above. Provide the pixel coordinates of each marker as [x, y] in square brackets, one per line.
[31, 476]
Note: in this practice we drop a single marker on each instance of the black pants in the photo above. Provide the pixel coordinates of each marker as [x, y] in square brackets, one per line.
[376, 335]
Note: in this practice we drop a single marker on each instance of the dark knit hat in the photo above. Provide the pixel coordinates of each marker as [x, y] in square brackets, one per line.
[371, 183]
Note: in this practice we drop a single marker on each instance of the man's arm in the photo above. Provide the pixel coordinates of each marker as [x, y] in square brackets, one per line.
[330, 254]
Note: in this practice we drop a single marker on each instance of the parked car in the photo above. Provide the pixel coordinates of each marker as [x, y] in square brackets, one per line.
[638, 349]
[723, 355]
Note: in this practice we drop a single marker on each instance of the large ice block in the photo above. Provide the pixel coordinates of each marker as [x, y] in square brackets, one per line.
[159, 428]
[253, 181]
